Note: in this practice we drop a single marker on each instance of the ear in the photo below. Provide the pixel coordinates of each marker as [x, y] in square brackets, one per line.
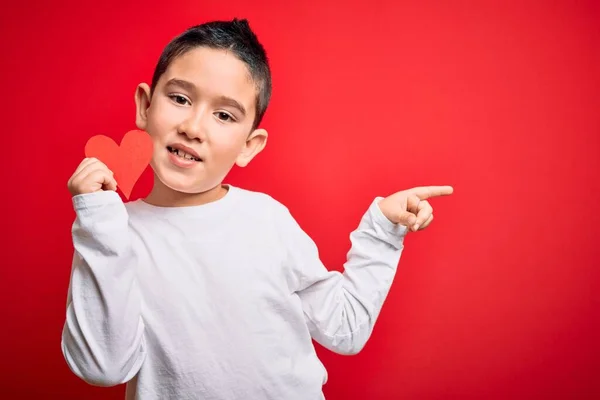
[255, 143]
[142, 103]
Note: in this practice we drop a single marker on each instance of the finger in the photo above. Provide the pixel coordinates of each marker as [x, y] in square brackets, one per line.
[112, 184]
[83, 169]
[101, 179]
[426, 192]
[427, 223]
[85, 163]
[406, 218]
[412, 204]
[93, 166]
[90, 174]
[424, 212]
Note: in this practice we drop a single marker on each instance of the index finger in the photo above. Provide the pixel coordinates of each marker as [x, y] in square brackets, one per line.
[426, 192]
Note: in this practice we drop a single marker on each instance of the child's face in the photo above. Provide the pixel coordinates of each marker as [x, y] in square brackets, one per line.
[205, 101]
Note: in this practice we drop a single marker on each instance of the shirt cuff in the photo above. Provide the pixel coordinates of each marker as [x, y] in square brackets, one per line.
[395, 232]
[96, 199]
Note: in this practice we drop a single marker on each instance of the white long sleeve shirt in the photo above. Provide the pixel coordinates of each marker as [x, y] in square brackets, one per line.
[218, 301]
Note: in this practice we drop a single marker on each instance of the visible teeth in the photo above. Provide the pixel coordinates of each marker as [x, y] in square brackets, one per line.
[182, 154]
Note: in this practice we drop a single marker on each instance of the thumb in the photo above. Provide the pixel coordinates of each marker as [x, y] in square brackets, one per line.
[109, 183]
[112, 185]
[406, 218]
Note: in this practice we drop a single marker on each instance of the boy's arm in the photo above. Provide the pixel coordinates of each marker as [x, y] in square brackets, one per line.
[341, 307]
[103, 335]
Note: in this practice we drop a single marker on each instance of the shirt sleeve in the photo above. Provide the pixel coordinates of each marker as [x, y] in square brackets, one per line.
[341, 308]
[103, 335]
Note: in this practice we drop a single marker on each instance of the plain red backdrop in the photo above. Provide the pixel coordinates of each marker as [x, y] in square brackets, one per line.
[497, 300]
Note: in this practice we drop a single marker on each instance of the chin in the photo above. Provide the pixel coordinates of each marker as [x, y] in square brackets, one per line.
[183, 183]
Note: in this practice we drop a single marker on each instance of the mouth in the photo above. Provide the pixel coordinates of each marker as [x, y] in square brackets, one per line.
[183, 154]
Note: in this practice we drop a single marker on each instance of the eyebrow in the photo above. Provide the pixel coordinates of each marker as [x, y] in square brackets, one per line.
[233, 103]
[189, 86]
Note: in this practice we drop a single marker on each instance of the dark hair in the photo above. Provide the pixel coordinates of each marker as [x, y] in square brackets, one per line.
[235, 36]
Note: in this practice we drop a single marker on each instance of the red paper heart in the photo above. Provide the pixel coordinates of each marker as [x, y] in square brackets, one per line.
[127, 161]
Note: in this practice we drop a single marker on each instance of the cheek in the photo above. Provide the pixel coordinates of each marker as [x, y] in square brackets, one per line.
[161, 119]
[227, 145]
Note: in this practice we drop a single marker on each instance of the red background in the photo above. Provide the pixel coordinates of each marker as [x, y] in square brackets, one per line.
[496, 300]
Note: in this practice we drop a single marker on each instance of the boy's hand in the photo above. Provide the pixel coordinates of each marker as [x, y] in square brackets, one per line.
[411, 208]
[91, 175]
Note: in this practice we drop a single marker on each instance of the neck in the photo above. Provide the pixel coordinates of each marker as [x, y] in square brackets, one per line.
[164, 196]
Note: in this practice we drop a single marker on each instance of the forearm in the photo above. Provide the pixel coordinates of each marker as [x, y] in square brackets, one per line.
[342, 308]
[103, 334]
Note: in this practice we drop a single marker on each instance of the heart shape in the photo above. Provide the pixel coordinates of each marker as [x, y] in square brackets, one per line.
[127, 161]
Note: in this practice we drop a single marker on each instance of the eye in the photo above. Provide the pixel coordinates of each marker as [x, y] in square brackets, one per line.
[223, 116]
[179, 99]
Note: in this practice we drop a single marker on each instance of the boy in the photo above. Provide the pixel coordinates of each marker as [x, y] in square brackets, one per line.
[204, 290]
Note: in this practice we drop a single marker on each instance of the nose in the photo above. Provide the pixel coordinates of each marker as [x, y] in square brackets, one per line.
[193, 126]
